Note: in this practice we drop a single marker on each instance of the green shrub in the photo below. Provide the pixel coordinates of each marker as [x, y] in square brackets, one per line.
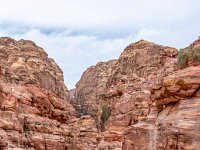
[105, 113]
[187, 54]
[183, 58]
[196, 54]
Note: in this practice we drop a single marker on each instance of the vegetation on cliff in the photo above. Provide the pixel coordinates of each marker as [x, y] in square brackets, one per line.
[188, 54]
[105, 113]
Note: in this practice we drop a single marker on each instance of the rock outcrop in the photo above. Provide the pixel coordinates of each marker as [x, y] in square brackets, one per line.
[173, 120]
[173, 123]
[142, 101]
[140, 66]
[123, 86]
[23, 62]
[90, 87]
[35, 112]
[33, 118]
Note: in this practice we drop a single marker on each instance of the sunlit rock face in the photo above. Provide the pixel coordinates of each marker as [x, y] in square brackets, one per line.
[174, 119]
[34, 110]
[33, 118]
[124, 87]
[173, 122]
[149, 102]
[23, 62]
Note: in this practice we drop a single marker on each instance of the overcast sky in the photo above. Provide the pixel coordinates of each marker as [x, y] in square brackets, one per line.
[80, 33]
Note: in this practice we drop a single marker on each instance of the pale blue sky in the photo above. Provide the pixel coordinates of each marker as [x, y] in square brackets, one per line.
[80, 33]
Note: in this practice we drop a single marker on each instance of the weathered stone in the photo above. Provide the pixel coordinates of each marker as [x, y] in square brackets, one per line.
[174, 123]
[123, 86]
[148, 103]
[23, 62]
[34, 108]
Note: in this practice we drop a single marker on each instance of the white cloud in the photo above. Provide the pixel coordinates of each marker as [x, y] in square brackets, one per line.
[96, 13]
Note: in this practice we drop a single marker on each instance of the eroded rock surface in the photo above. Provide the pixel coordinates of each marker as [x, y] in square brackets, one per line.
[173, 122]
[91, 86]
[152, 104]
[33, 118]
[124, 88]
[23, 62]
[35, 112]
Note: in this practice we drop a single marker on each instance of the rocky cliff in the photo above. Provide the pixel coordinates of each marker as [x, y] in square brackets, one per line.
[91, 86]
[148, 99]
[23, 62]
[34, 108]
[123, 87]
[173, 120]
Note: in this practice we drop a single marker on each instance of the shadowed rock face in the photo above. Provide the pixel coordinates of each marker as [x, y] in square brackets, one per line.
[23, 62]
[90, 87]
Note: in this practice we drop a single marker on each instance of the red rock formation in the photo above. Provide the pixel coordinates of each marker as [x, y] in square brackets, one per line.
[149, 103]
[90, 87]
[23, 62]
[32, 117]
[173, 120]
[34, 108]
[125, 87]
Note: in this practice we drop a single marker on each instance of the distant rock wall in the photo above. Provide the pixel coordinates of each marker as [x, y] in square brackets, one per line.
[87, 95]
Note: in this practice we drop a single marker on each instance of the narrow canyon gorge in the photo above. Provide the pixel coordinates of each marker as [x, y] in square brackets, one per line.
[147, 99]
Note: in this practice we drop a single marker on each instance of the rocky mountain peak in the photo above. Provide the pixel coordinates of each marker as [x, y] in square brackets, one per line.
[150, 46]
[23, 62]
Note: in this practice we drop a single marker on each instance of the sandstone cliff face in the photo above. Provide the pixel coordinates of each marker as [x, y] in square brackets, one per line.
[173, 120]
[152, 104]
[140, 66]
[125, 88]
[33, 118]
[23, 62]
[90, 87]
[34, 110]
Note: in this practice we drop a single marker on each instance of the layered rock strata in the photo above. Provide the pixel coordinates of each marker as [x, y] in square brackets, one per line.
[173, 121]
